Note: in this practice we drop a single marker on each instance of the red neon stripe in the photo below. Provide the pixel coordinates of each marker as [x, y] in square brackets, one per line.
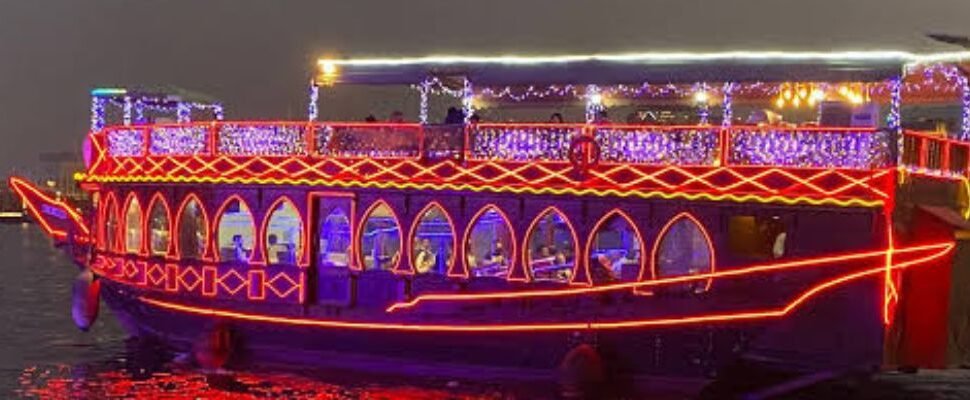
[758, 268]
[21, 186]
[721, 317]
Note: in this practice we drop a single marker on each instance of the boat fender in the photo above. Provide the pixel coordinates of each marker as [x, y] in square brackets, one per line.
[86, 299]
[581, 373]
[214, 348]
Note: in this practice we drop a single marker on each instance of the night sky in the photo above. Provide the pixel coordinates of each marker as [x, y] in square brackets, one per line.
[256, 55]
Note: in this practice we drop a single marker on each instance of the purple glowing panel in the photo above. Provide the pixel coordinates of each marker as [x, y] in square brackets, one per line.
[126, 143]
[822, 149]
[650, 145]
[522, 143]
[178, 140]
[262, 140]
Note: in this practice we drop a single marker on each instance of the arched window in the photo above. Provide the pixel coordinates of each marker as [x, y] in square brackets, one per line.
[432, 241]
[550, 250]
[614, 251]
[489, 244]
[684, 248]
[193, 232]
[284, 234]
[133, 233]
[236, 232]
[110, 227]
[159, 237]
[334, 236]
[380, 239]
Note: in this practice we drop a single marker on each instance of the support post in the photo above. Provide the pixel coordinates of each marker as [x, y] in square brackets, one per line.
[313, 107]
[467, 100]
[424, 89]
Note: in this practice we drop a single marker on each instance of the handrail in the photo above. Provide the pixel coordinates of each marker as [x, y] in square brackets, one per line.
[926, 153]
[699, 145]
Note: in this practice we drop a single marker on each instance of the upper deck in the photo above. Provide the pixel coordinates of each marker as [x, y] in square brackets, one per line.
[841, 166]
[814, 161]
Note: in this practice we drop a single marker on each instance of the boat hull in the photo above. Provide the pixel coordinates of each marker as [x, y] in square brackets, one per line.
[833, 332]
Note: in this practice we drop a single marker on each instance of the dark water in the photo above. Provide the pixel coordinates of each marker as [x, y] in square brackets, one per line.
[42, 354]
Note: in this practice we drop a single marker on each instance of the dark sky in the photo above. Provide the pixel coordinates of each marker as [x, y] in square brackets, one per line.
[256, 55]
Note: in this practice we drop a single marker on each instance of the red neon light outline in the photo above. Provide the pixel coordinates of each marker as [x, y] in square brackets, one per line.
[19, 185]
[156, 199]
[205, 227]
[527, 263]
[313, 217]
[360, 235]
[468, 230]
[414, 228]
[663, 232]
[237, 173]
[110, 205]
[753, 269]
[616, 212]
[302, 250]
[599, 325]
[132, 200]
[218, 221]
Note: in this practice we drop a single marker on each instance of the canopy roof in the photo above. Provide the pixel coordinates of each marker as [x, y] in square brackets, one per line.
[630, 68]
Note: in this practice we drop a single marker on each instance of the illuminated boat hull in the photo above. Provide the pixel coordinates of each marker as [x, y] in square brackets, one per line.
[461, 325]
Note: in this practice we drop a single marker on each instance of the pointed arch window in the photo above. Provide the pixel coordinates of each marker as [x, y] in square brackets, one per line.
[133, 225]
[193, 232]
[684, 248]
[284, 234]
[615, 250]
[159, 232]
[380, 239]
[489, 244]
[236, 232]
[550, 252]
[433, 241]
[111, 228]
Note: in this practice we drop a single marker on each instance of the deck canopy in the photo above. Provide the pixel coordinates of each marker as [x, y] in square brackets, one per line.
[618, 69]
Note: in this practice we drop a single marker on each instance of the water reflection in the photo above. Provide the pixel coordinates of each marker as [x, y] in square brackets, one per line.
[42, 354]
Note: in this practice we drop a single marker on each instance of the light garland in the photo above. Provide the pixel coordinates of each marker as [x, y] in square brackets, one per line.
[313, 106]
[126, 143]
[653, 146]
[126, 110]
[266, 140]
[894, 120]
[727, 106]
[183, 113]
[424, 90]
[97, 113]
[179, 140]
[594, 102]
[790, 148]
[467, 100]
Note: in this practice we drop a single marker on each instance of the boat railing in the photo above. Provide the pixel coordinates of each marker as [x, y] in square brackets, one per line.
[935, 154]
[701, 145]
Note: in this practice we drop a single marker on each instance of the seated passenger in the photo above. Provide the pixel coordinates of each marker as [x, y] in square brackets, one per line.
[279, 252]
[396, 117]
[240, 252]
[601, 270]
[555, 118]
[424, 259]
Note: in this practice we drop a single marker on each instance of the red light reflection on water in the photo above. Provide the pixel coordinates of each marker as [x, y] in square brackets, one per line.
[63, 382]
